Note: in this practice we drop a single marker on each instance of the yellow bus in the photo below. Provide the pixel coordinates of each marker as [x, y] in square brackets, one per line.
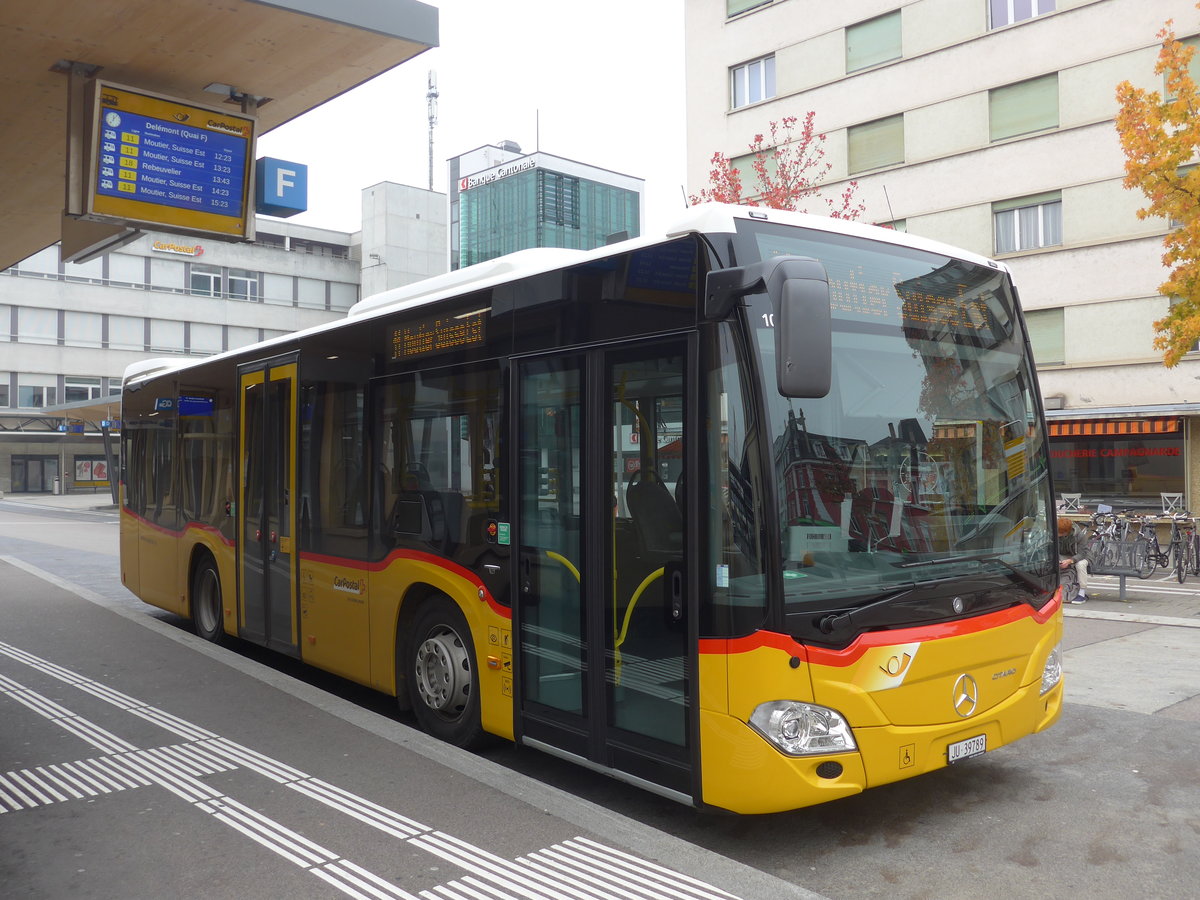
[756, 514]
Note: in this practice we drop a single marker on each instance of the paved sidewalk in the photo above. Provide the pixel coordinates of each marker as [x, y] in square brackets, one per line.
[1159, 600]
[101, 499]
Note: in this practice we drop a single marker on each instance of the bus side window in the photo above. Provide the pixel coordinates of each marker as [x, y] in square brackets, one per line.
[439, 445]
[333, 476]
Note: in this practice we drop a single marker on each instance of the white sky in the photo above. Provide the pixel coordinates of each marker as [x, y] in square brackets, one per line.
[601, 84]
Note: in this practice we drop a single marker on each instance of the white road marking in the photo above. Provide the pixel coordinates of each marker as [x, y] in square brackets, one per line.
[581, 869]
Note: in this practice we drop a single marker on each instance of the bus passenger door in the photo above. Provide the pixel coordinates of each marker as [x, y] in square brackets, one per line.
[266, 513]
[605, 634]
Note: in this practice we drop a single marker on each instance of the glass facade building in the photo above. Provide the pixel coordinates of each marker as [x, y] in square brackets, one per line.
[532, 202]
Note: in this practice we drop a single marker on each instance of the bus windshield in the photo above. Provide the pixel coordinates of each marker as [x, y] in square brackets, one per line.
[925, 462]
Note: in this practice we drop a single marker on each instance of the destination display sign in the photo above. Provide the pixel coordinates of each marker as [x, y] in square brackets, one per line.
[436, 335]
[164, 162]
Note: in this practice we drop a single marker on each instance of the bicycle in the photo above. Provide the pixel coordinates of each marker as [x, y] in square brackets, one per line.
[1103, 543]
[1187, 556]
[1152, 555]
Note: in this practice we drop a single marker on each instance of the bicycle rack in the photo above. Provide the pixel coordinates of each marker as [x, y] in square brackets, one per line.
[1127, 553]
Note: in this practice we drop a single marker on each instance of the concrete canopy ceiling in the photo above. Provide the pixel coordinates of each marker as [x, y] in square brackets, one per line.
[297, 53]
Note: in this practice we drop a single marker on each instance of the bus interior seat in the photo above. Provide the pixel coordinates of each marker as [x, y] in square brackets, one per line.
[656, 515]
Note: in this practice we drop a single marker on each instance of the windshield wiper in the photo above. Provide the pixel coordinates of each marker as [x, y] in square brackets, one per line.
[942, 560]
[829, 623]
[993, 556]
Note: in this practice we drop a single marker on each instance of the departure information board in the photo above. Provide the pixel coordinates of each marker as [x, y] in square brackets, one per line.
[165, 162]
[436, 335]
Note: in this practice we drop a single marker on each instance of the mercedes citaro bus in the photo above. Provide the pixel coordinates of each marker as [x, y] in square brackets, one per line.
[755, 515]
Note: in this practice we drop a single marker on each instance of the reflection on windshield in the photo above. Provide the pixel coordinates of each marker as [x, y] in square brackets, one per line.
[928, 447]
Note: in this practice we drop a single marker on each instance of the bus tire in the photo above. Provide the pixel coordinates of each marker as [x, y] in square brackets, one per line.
[443, 683]
[207, 611]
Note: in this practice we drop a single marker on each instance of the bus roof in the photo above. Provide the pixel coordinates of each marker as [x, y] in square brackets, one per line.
[706, 218]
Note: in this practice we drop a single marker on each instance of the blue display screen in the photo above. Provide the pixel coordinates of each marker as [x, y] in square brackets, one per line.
[170, 164]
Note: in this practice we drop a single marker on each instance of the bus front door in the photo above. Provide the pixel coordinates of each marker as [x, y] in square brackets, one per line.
[604, 620]
[266, 517]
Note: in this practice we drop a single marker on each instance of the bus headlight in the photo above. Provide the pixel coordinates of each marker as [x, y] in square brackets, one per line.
[802, 729]
[1052, 672]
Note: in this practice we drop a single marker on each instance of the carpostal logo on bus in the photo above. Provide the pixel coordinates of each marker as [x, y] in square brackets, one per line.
[474, 181]
[357, 586]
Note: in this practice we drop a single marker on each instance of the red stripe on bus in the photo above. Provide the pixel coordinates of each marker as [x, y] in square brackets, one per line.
[417, 556]
[171, 532]
[850, 655]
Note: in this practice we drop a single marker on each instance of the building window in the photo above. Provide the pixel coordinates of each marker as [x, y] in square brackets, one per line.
[77, 389]
[4, 390]
[1046, 336]
[43, 264]
[752, 82]
[1193, 65]
[126, 270]
[1023, 108]
[1006, 12]
[206, 280]
[558, 199]
[36, 325]
[83, 329]
[873, 145]
[206, 339]
[873, 42]
[166, 336]
[126, 333]
[242, 284]
[1028, 222]
[733, 7]
[36, 391]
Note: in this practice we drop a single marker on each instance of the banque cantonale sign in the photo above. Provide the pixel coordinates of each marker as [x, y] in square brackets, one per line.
[473, 181]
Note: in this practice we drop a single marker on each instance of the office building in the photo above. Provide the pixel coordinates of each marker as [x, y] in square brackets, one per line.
[989, 124]
[502, 201]
[68, 331]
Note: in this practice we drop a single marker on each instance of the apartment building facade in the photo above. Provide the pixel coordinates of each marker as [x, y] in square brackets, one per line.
[989, 124]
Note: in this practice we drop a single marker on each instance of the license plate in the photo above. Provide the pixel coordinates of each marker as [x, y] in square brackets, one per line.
[972, 746]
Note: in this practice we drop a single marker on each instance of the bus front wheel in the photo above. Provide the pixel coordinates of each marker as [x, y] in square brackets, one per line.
[207, 618]
[443, 684]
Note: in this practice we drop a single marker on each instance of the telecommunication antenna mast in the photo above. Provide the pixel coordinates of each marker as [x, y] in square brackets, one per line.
[431, 97]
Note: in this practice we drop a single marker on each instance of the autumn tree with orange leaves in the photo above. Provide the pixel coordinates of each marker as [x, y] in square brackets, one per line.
[788, 167]
[1160, 135]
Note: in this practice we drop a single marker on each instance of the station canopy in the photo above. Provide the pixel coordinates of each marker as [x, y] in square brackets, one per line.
[295, 54]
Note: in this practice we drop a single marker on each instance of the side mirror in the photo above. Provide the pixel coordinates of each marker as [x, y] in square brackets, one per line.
[803, 328]
[799, 292]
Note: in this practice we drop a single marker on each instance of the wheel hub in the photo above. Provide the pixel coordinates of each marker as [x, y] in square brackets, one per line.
[443, 672]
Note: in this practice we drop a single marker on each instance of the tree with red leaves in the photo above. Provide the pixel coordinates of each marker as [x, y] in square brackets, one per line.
[788, 169]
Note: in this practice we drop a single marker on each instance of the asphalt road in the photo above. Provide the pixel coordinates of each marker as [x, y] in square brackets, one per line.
[1105, 804]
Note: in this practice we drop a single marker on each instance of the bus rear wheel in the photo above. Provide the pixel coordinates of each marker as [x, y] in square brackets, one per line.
[443, 684]
[207, 618]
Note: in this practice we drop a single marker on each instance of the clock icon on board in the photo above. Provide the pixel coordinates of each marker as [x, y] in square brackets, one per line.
[112, 119]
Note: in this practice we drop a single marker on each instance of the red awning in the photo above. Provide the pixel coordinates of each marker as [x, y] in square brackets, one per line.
[1114, 427]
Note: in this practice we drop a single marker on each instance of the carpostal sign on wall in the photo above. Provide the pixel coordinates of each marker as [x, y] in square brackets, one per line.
[162, 162]
[490, 175]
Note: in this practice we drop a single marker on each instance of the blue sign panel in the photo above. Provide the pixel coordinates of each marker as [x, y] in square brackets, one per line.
[280, 187]
[164, 404]
[196, 406]
[165, 162]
